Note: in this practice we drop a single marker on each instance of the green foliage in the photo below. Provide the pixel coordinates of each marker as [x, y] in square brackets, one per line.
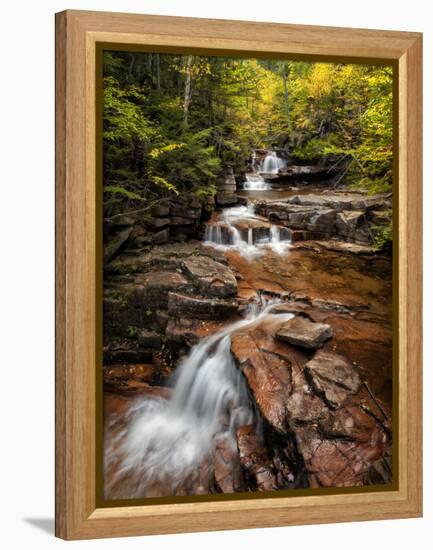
[132, 331]
[117, 190]
[172, 123]
[382, 235]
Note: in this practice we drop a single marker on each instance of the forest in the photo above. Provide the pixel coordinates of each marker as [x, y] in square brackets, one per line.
[172, 123]
[247, 275]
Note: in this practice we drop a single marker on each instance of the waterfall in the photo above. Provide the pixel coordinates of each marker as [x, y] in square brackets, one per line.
[271, 236]
[168, 440]
[213, 233]
[272, 163]
[255, 182]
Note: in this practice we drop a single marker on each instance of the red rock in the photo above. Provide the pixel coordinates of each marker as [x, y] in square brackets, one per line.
[300, 331]
[268, 365]
[228, 473]
[333, 376]
[254, 458]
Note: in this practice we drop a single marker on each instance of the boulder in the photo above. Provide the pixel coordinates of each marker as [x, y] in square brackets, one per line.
[333, 377]
[321, 221]
[267, 365]
[352, 225]
[210, 277]
[300, 331]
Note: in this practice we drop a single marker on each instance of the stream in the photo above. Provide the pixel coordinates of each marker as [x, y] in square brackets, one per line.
[170, 444]
[168, 440]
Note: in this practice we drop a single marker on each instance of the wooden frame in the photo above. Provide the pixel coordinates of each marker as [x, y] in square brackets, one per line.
[77, 34]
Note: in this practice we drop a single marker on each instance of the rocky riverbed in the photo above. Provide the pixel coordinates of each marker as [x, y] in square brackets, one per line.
[317, 365]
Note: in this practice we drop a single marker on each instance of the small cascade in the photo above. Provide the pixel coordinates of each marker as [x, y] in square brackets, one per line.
[167, 441]
[272, 163]
[213, 233]
[252, 240]
[255, 182]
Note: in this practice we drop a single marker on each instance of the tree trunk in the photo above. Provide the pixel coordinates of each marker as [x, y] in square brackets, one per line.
[187, 95]
[286, 98]
[158, 73]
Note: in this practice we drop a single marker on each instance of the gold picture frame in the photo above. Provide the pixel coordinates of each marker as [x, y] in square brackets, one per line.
[80, 38]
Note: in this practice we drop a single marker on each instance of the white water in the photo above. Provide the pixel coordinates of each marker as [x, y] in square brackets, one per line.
[272, 163]
[227, 236]
[255, 182]
[167, 441]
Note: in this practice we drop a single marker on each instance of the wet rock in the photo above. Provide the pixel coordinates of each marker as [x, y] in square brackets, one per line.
[304, 406]
[298, 217]
[254, 458]
[218, 233]
[333, 377]
[135, 387]
[267, 365]
[300, 331]
[210, 277]
[188, 332]
[229, 477]
[142, 372]
[180, 305]
[336, 462]
[350, 423]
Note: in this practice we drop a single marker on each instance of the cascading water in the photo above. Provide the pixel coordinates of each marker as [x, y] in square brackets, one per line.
[225, 235]
[272, 163]
[167, 441]
[255, 182]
